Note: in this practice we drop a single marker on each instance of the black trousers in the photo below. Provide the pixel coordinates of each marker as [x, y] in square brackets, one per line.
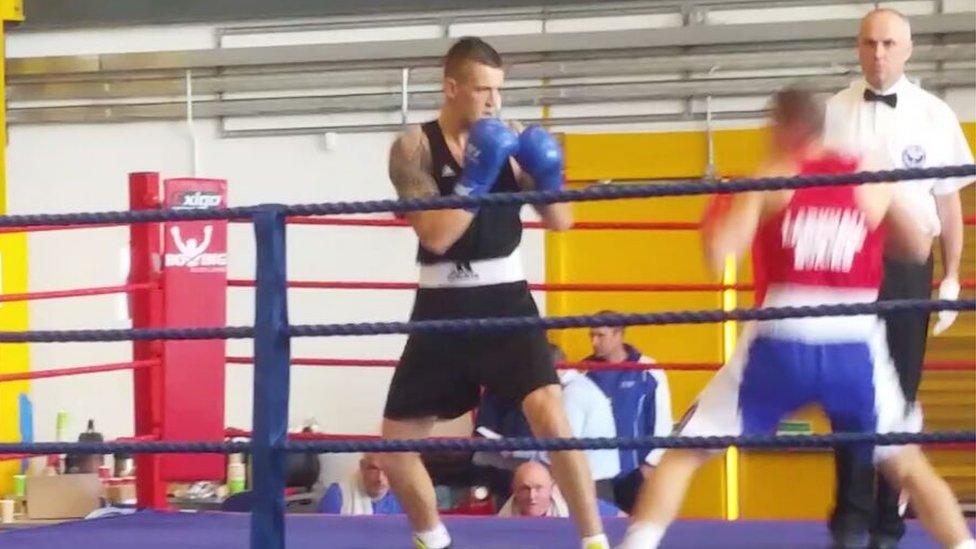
[626, 488]
[860, 507]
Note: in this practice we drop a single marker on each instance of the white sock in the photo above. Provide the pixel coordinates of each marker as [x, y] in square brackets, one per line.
[435, 538]
[598, 541]
[642, 535]
[968, 544]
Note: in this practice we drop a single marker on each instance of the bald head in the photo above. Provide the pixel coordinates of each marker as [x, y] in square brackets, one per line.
[531, 490]
[884, 45]
[374, 479]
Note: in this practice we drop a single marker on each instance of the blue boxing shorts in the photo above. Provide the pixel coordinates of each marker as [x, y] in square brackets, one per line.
[840, 363]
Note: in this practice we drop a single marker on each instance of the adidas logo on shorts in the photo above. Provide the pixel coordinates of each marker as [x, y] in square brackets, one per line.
[462, 271]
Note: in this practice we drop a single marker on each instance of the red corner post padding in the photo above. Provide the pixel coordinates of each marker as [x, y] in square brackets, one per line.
[146, 310]
[194, 282]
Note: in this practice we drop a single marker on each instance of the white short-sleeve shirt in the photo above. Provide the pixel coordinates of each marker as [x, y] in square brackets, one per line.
[590, 416]
[920, 132]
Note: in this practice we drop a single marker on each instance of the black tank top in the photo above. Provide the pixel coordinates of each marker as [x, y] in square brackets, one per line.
[495, 231]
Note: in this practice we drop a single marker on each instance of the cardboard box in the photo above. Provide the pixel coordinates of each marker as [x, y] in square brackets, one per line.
[63, 496]
[120, 492]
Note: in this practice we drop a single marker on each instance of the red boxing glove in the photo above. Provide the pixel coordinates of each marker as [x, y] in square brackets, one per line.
[716, 209]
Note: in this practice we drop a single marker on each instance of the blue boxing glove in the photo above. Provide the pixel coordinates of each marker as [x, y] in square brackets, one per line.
[490, 143]
[541, 157]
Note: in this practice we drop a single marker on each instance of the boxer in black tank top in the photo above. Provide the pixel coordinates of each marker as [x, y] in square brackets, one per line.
[441, 375]
[470, 268]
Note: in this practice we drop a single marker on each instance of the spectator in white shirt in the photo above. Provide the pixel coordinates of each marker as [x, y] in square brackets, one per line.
[641, 402]
[885, 115]
[589, 414]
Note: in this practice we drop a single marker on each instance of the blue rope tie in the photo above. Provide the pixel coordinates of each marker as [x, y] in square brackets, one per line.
[497, 324]
[600, 192]
[674, 317]
[489, 445]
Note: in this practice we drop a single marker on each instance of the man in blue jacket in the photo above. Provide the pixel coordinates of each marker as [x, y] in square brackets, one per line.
[641, 403]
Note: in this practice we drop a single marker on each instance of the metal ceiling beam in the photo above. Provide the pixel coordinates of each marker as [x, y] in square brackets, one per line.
[44, 14]
[545, 12]
[573, 94]
[48, 14]
[565, 121]
[305, 79]
[428, 51]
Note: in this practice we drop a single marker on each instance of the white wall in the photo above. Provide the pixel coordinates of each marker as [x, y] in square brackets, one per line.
[83, 168]
[90, 174]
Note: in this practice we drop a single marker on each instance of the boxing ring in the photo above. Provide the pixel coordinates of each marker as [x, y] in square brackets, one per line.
[174, 447]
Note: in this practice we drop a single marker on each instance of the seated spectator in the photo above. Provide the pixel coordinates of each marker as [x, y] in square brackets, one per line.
[365, 492]
[641, 403]
[589, 414]
[534, 494]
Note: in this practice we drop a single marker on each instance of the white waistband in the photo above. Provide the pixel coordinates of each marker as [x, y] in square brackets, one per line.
[467, 274]
[825, 329]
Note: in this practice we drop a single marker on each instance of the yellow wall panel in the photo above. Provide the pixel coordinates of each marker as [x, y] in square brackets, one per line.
[13, 357]
[596, 157]
[669, 209]
[11, 10]
[592, 157]
[790, 484]
[13, 279]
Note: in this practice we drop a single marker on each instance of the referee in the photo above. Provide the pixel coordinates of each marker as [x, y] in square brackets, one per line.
[886, 115]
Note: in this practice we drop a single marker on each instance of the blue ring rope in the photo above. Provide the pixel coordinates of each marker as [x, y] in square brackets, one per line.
[673, 317]
[497, 324]
[596, 192]
[494, 445]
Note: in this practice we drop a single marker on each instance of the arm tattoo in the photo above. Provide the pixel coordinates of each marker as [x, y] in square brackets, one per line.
[410, 162]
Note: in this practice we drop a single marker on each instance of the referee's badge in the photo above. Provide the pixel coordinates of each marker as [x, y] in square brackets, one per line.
[913, 156]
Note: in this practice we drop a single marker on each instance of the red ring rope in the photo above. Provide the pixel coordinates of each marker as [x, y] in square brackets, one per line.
[232, 432]
[78, 370]
[548, 287]
[933, 365]
[46, 228]
[139, 438]
[80, 292]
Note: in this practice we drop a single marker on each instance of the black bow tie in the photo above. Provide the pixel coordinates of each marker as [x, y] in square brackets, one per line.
[891, 99]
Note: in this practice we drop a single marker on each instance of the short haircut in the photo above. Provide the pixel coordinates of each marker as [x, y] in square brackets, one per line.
[798, 105]
[469, 49]
[610, 312]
